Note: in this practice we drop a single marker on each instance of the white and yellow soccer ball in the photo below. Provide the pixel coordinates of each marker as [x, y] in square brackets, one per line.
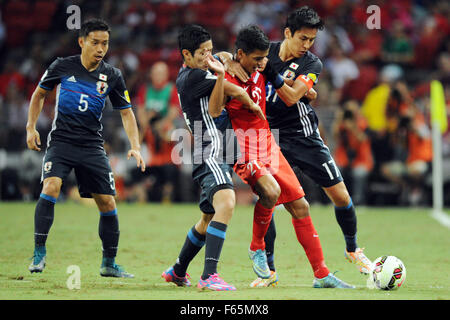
[388, 273]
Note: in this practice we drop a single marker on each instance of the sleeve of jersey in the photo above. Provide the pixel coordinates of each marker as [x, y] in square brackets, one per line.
[52, 76]
[201, 83]
[119, 96]
[310, 74]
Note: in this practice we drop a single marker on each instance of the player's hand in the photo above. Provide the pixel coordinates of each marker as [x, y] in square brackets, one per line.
[311, 94]
[139, 160]
[257, 110]
[289, 82]
[33, 139]
[215, 65]
[234, 68]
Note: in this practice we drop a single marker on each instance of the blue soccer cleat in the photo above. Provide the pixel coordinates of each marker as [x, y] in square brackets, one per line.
[111, 269]
[331, 281]
[260, 265]
[38, 260]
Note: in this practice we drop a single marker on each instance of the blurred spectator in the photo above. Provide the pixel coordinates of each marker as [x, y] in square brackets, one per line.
[353, 153]
[397, 47]
[375, 102]
[341, 68]
[11, 77]
[411, 145]
[425, 50]
[158, 108]
[326, 39]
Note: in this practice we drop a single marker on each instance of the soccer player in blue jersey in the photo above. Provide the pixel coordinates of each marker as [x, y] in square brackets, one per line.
[201, 95]
[75, 141]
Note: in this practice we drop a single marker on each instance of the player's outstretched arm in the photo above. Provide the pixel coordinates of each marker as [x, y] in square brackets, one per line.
[36, 104]
[131, 129]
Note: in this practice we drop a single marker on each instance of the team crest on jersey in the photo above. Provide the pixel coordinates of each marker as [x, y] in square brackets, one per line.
[289, 74]
[293, 66]
[102, 87]
[48, 166]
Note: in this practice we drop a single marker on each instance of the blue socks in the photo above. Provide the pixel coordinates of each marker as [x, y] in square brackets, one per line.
[215, 237]
[346, 218]
[43, 219]
[108, 230]
[192, 245]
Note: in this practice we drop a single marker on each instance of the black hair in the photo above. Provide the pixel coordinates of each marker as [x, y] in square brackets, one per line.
[304, 17]
[93, 25]
[251, 38]
[191, 37]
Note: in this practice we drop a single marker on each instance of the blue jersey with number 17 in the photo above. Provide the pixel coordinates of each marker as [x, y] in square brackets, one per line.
[80, 99]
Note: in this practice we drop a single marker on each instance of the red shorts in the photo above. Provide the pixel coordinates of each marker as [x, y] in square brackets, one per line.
[290, 187]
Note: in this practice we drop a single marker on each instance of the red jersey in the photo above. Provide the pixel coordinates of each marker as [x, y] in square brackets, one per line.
[255, 138]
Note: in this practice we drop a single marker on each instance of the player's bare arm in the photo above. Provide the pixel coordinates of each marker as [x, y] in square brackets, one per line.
[216, 106]
[131, 129]
[242, 96]
[36, 104]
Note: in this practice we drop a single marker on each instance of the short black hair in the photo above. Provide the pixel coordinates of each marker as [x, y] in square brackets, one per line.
[304, 17]
[191, 37]
[93, 25]
[251, 38]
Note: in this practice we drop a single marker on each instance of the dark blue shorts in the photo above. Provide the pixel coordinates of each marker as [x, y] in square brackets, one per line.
[91, 165]
[312, 157]
[212, 177]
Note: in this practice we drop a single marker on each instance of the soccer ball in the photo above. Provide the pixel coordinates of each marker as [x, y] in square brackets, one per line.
[388, 273]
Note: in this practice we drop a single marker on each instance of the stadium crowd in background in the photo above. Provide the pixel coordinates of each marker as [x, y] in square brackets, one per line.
[373, 94]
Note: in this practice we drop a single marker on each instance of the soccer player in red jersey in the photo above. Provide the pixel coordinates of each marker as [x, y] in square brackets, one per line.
[264, 167]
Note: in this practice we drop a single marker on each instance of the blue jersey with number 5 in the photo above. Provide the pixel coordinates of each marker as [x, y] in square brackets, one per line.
[80, 99]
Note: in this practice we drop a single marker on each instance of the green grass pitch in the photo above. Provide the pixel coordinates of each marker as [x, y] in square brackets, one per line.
[152, 235]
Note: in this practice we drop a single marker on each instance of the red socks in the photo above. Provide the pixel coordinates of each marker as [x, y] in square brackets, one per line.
[261, 222]
[309, 239]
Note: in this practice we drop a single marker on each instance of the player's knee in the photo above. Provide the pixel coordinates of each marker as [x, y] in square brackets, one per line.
[299, 208]
[203, 223]
[52, 187]
[105, 203]
[270, 195]
[224, 201]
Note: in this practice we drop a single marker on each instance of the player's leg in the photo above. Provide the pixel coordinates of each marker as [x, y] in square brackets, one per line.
[269, 240]
[268, 191]
[57, 164]
[219, 189]
[346, 217]
[43, 220]
[313, 157]
[109, 233]
[293, 198]
[223, 201]
[96, 180]
[308, 237]
[194, 242]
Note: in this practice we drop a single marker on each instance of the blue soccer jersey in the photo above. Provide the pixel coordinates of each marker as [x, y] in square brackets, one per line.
[80, 99]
